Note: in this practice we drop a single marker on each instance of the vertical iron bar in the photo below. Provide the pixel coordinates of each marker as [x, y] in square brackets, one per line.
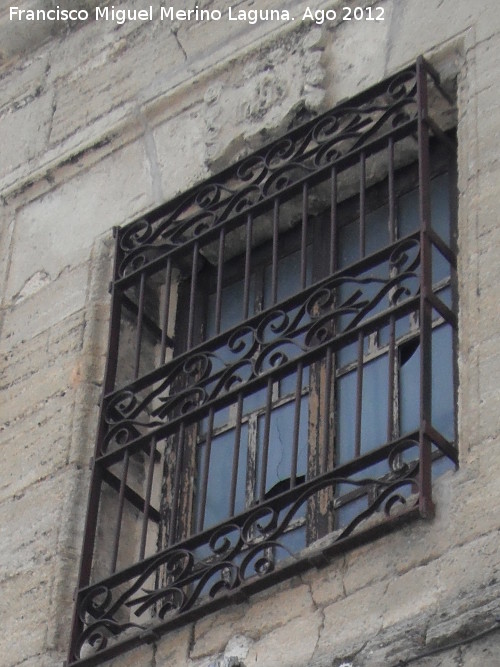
[359, 396]
[392, 193]
[177, 484]
[138, 335]
[329, 370]
[333, 222]
[165, 311]
[303, 241]
[425, 501]
[265, 447]
[121, 502]
[192, 294]
[206, 469]
[326, 409]
[362, 204]
[236, 455]
[147, 499]
[393, 378]
[246, 280]
[274, 268]
[296, 424]
[218, 295]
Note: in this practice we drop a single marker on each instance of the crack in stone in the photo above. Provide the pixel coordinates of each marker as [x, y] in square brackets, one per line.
[176, 37]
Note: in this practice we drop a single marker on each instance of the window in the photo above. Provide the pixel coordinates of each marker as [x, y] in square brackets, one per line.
[280, 377]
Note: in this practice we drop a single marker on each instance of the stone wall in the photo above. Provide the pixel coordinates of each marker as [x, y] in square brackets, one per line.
[98, 124]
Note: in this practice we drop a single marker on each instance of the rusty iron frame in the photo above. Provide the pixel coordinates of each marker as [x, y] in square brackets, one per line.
[204, 570]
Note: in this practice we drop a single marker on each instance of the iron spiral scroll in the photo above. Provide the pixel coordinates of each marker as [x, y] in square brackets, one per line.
[278, 336]
[236, 553]
[329, 139]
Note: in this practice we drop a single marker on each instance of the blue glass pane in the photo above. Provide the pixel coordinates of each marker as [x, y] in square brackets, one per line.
[219, 475]
[446, 297]
[409, 209]
[221, 418]
[345, 417]
[255, 401]
[409, 387]
[350, 511]
[281, 442]
[374, 407]
[347, 355]
[288, 384]
[443, 396]
[440, 266]
[294, 540]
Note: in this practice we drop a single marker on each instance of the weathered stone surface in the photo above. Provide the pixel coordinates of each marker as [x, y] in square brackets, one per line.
[419, 28]
[348, 622]
[27, 128]
[293, 642]
[212, 633]
[25, 611]
[174, 648]
[177, 137]
[136, 74]
[35, 518]
[57, 231]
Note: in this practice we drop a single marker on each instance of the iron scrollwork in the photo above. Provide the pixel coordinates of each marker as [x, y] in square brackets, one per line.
[263, 344]
[232, 554]
[272, 170]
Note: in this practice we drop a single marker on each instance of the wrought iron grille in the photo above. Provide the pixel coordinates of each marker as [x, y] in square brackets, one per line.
[279, 382]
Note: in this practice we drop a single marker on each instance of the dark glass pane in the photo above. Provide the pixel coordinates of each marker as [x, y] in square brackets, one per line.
[288, 276]
[440, 206]
[348, 244]
[231, 306]
[408, 213]
[377, 229]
